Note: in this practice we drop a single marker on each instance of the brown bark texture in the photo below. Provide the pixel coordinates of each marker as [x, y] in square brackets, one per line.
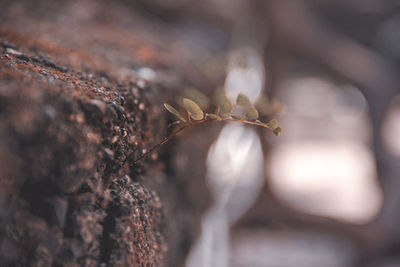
[73, 118]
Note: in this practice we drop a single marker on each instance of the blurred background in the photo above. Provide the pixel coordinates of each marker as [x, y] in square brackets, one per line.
[327, 190]
[324, 193]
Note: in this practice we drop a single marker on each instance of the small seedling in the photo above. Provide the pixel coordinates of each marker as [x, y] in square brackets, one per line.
[224, 108]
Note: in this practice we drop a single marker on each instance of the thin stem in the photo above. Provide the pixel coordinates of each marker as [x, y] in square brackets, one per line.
[166, 139]
[247, 122]
[192, 123]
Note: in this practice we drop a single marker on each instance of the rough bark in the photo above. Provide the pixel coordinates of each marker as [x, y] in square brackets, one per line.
[70, 194]
[73, 118]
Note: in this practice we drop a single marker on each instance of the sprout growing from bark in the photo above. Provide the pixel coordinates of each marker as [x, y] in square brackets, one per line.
[224, 107]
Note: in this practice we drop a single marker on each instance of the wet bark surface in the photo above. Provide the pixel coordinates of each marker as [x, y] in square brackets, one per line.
[69, 189]
[74, 115]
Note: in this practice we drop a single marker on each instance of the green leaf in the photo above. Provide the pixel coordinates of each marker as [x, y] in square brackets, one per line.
[263, 104]
[222, 101]
[268, 106]
[226, 106]
[277, 131]
[236, 117]
[243, 100]
[252, 114]
[212, 116]
[273, 124]
[195, 112]
[173, 111]
[198, 97]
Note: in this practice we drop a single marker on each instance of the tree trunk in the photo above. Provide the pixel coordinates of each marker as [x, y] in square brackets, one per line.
[74, 115]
